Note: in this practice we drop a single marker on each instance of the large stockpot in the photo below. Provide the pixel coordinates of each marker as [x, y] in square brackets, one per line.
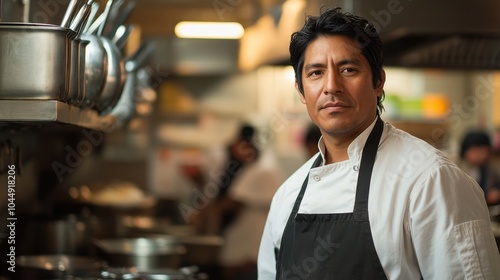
[35, 61]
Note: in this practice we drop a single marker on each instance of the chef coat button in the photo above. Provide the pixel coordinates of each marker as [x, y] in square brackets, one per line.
[355, 168]
[317, 178]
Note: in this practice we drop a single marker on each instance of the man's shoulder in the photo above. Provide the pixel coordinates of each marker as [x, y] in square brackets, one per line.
[399, 144]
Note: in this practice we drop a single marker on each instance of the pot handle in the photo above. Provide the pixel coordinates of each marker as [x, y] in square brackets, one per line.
[70, 12]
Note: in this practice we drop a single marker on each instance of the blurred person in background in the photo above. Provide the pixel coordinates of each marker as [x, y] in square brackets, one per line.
[476, 159]
[247, 178]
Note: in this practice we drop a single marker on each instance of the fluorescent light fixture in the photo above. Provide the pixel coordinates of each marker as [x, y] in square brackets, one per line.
[209, 30]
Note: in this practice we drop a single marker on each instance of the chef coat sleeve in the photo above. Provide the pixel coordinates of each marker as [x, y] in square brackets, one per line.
[266, 262]
[450, 228]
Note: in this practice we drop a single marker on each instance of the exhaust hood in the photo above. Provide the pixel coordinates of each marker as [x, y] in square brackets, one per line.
[442, 34]
[416, 33]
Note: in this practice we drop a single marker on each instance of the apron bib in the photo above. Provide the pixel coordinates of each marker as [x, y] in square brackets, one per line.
[333, 246]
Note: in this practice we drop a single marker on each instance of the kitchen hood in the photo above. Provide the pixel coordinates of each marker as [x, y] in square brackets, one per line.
[426, 33]
[418, 33]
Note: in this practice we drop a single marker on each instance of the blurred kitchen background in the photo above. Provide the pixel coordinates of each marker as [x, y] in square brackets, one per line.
[83, 173]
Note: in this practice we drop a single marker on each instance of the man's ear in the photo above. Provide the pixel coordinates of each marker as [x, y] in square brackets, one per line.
[301, 95]
[380, 85]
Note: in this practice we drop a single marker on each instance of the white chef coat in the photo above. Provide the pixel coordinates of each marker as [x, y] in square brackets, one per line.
[427, 217]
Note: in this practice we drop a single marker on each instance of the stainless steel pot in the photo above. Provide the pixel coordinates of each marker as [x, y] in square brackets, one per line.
[54, 235]
[96, 67]
[142, 253]
[35, 61]
[57, 267]
[115, 78]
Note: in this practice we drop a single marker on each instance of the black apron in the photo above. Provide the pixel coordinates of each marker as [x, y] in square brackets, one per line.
[333, 246]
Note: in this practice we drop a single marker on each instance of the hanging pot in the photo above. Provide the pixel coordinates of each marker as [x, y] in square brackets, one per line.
[114, 80]
[41, 55]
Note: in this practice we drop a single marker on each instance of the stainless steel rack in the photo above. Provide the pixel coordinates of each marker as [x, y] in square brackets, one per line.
[48, 111]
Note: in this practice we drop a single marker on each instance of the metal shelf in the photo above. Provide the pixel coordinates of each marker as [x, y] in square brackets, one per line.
[48, 111]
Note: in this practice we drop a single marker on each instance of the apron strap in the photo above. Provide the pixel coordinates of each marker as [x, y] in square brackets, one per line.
[296, 206]
[365, 171]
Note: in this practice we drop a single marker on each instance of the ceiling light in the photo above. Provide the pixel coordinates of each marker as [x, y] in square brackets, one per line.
[209, 30]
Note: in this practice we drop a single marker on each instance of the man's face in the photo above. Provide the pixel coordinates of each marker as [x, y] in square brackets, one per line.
[338, 87]
[478, 155]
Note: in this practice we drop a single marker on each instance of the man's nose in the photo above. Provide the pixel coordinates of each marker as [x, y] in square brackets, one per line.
[333, 83]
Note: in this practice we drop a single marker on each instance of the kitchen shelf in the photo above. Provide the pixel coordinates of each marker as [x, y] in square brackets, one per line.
[48, 111]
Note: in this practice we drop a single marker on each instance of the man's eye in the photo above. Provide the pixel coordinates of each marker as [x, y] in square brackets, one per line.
[314, 73]
[349, 70]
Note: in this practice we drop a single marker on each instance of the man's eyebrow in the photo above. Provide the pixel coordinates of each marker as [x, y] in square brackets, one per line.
[349, 61]
[314, 65]
[339, 63]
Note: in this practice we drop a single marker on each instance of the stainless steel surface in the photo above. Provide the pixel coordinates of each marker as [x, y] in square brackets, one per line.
[54, 235]
[70, 13]
[122, 16]
[48, 111]
[76, 93]
[115, 78]
[80, 20]
[125, 107]
[107, 11]
[38, 53]
[158, 275]
[140, 57]
[96, 67]
[121, 35]
[93, 13]
[143, 253]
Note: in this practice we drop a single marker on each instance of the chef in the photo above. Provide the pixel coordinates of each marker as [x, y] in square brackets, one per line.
[374, 202]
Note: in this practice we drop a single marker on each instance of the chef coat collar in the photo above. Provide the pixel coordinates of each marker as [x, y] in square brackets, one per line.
[355, 148]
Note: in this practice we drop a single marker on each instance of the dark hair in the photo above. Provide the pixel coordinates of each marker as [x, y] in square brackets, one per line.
[334, 22]
[247, 132]
[474, 139]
